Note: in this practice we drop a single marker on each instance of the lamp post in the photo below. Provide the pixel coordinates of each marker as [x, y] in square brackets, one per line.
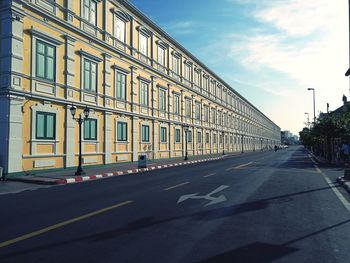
[80, 121]
[223, 145]
[313, 91]
[186, 139]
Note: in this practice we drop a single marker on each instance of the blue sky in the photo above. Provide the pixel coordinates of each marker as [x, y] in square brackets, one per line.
[270, 51]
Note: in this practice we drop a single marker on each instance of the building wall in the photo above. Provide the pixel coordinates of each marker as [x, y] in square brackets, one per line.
[233, 123]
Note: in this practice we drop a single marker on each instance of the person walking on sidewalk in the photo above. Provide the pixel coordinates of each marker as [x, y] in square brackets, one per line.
[345, 151]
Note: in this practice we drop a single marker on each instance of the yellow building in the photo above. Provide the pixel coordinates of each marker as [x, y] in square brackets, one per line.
[143, 89]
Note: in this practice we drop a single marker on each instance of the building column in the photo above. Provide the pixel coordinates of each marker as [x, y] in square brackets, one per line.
[11, 125]
[153, 96]
[133, 87]
[69, 66]
[171, 140]
[155, 133]
[135, 138]
[107, 79]
[108, 137]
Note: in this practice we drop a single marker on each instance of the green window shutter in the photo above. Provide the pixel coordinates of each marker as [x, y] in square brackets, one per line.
[93, 129]
[93, 77]
[86, 75]
[40, 125]
[87, 130]
[50, 126]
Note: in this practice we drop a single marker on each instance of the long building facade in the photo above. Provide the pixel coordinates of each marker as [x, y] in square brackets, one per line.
[145, 92]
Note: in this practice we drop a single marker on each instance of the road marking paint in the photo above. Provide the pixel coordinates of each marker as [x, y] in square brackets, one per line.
[239, 166]
[342, 199]
[175, 186]
[209, 175]
[64, 223]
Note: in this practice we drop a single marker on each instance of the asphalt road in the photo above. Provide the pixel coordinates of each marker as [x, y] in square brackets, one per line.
[256, 207]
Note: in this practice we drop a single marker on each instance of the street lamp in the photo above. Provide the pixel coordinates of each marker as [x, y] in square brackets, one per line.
[80, 121]
[313, 91]
[186, 139]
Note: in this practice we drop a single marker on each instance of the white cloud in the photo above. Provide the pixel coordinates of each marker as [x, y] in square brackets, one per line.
[181, 27]
[307, 41]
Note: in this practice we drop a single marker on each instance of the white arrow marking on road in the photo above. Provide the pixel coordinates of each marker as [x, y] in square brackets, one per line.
[213, 199]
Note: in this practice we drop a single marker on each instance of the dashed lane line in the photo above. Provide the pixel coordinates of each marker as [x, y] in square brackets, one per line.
[64, 223]
[208, 175]
[175, 186]
[239, 166]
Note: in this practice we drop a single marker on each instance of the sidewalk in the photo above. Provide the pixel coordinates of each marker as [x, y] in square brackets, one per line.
[67, 176]
[340, 178]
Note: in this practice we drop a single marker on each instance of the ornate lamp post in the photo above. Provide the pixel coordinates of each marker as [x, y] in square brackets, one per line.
[80, 121]
[186, 139]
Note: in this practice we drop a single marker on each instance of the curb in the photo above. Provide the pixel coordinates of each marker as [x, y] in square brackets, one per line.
[344, 183]
[79, 179]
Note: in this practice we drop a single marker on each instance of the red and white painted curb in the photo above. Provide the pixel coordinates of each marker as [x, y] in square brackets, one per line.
[78, 179]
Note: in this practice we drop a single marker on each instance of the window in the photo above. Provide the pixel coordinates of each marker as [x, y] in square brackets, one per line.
[145, 133]
[206, 113]
[205, 83]
[163, 134]
[90, 129]
[176, 104]
[162, 100]
[90, 76]
[120, 30]
[207, 137]
[189, 136]
[213, 116]
[45, 61]
[196, 78]
[161, 56]
[214, 138]
[175, 66]
[121, 85]
[198, 111]
[89, 11]
[122, 131]
[143, 44]
[188, 108]
[177, 135]
[187, 72]
[199, 137]
[45, 125]
[143, 93]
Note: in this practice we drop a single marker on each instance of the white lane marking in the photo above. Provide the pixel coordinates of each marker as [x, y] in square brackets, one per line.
[209, 175]
[175, 186]
[335, 190]
[239, 166]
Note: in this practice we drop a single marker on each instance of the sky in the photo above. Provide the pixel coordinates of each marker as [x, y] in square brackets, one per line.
[269, 51]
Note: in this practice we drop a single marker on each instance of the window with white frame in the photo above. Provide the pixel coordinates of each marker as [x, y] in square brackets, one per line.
[177, 135]
[144, 133]
[162, 99]
[205, 83]
[176, 104]
[45, 60]
[120, 85]
[206, 113]
[90, 75]
[196, 78]
[119, 29]
[207, 137]
[161, 56]
[143, 44]
[189, 136]
[199, 137]
[198, 111]
[213, 116]
[143, 93]
[89, 11]
[188, 108]
[45, 125]
[163, 136]
[90, 129]
[175, 65]
[122, 131]
[187, 72]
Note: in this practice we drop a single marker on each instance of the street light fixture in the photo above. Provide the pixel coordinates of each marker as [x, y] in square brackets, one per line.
[313, 91]
[80, 121]
[186, 139]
